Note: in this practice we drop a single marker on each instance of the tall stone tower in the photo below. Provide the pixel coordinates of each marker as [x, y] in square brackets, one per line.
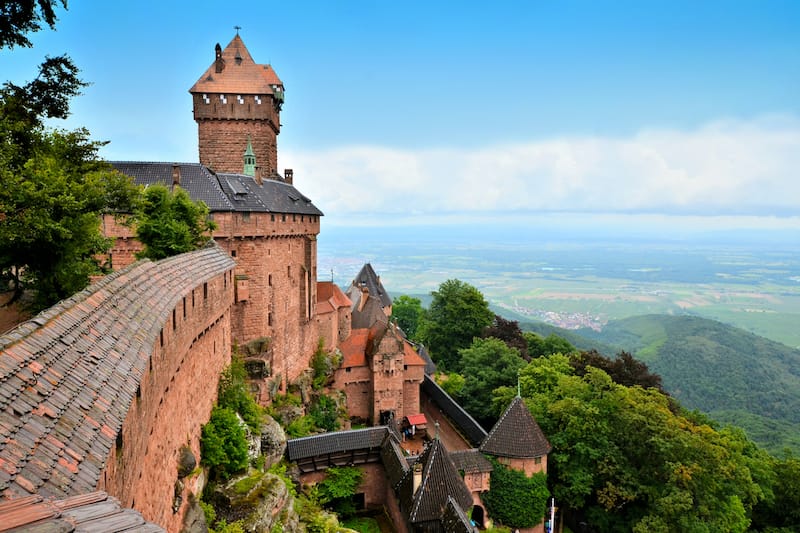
[235, 102]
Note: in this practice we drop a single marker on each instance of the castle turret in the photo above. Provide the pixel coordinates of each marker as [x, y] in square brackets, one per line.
[236, 99]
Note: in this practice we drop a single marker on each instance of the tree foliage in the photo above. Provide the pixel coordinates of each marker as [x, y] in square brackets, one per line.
[336, 491]
[407, 311]
[486, 365]
[458, 313]
[20, 17]
[509, 332]
[170, 223]
[223, 443]
[539, 346]
[623, 460]
[623, 369]
[54, 189]
[513, 498]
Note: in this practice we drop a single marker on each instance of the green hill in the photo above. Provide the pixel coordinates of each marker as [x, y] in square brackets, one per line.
[733, 375]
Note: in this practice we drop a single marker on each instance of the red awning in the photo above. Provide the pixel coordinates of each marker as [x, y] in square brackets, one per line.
[417, 420]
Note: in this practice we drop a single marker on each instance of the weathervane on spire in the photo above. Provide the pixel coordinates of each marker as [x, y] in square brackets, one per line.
[237, 28]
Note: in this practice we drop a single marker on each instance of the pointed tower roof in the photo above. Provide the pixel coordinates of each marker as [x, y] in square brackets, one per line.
[235, 72]
[440, 480]
[516, 434]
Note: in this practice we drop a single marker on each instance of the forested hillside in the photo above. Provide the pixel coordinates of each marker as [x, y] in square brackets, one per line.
[733, 375]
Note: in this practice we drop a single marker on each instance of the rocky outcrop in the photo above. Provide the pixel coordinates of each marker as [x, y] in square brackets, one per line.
[261, 500]
[273, 441]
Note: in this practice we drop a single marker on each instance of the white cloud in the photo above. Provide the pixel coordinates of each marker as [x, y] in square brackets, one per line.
[732, 167]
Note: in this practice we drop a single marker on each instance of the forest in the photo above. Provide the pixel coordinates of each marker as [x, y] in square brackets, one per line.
[626, 455]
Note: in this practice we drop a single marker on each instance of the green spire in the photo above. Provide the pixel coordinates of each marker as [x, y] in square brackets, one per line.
[249, 160]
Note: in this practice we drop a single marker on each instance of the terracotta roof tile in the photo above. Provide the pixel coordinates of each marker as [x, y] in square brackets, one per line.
[241, 74]
[70, 374]
[410, 355]
[354, 348]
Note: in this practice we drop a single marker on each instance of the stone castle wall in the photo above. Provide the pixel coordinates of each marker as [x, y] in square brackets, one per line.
[222, 144]
[176, 394]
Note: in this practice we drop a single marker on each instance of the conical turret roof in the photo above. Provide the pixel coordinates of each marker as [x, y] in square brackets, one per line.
[516, 434]
[238, 74]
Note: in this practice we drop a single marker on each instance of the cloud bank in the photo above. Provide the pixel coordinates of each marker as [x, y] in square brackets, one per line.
[727, 167]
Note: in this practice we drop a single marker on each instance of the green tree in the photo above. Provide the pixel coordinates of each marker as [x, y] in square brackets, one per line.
[170, 223]
[54, 190]
[486, 365]
[19, 17]
[407, 312]
[223, 443]
[539, 346]
[508, 331]
[513, 498]
[336, 491]
[624, 460]
[458, 313]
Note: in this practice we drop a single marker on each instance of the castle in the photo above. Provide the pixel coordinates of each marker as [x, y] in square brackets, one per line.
[107, 391]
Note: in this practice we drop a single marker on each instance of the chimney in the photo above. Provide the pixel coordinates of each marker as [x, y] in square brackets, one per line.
[258, 177]
[176, 175]
[219, 63]
[288, 176]
[417, 480]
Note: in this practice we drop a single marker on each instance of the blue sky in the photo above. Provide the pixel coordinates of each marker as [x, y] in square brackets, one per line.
[664, 113]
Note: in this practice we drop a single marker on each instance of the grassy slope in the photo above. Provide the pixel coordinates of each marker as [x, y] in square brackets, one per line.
[733, 375]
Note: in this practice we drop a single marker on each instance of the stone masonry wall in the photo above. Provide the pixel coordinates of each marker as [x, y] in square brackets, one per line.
[277, 254]
[222, 144]
[175, 397]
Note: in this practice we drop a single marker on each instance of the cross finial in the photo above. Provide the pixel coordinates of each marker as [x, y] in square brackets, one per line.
[237, 28]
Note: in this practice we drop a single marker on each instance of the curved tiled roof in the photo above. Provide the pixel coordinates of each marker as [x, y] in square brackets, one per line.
[96, 511]
[241, 74]
[516, 434]
[69, 375]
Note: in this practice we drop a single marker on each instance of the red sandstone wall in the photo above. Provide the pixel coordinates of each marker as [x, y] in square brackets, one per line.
[125, 246]
[529, 466]
[177, 392]
[222, 144]
[358, 390]
[278, 255]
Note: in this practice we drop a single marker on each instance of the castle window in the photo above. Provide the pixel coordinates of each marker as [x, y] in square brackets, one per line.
[246, 216]
[233, 253]
[537, 461]
[206, 100]
[205, 291]
[184, 307]
[119, 441]
[240, 99]
[192, 298]
[258, 100]
[174, 320]
[161, 337]
[223, 99]
[269, 319]
[283, 218]
[269, 280]
[272, 217]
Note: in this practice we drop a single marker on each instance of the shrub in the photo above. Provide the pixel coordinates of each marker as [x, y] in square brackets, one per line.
[223, 444]
[515, 499]
[325, 413]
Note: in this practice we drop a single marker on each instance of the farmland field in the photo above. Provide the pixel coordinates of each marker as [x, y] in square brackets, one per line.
[573, 282]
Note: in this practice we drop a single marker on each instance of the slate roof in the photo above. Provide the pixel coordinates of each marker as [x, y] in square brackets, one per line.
[430, 366]
[440, 480]
[241, 74]
[470, 461]
[337, 441]
[455, 519]
[394, 461]
[93, 512]
[516, 434]
[222, 192]
[367, 277]
[68, 376]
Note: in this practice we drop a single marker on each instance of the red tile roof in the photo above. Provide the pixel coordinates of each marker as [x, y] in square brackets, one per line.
[417, 420]
[68, 376]
[95, 511]
[241, 74]
[354, 348]
[410, 355]
[330, 297]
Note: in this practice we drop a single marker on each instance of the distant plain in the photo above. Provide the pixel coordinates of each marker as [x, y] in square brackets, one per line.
[749, 281]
